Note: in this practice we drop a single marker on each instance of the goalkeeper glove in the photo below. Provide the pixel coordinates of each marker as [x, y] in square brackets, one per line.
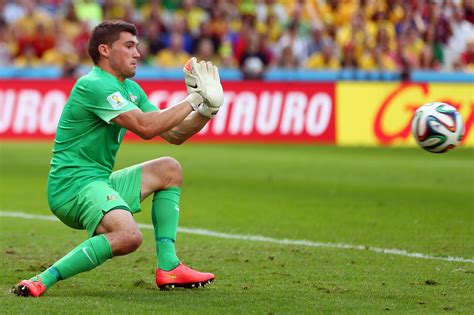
[203, 78]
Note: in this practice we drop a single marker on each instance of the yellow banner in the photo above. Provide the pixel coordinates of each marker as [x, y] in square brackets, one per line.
[380, 113]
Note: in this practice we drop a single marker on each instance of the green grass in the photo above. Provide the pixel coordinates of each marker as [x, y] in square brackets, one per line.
[384, 197]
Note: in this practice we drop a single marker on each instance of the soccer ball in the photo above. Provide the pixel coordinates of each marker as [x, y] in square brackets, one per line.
[437, 127]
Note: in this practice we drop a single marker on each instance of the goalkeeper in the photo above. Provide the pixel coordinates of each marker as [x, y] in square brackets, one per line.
[84, 193]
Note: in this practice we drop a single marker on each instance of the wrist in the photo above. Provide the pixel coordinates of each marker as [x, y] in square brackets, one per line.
[194, 99]
[206, 111]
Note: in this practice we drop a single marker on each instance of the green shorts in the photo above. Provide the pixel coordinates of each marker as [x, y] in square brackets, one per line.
[92, 202]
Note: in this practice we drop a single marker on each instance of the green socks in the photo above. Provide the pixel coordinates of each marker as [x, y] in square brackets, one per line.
[88, 255]
[96, 250]
[165, 216]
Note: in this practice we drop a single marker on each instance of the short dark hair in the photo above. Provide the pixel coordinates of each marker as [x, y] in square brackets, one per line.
[107, 32]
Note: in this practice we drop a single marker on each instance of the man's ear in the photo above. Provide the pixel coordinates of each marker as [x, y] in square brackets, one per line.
[104, 50]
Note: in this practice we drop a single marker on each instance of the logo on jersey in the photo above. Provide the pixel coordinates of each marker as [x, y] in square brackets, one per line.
[116, 100]
[111, 197]
[133, 98]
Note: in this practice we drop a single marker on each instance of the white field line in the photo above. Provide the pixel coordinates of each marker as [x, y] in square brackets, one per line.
[264, 239]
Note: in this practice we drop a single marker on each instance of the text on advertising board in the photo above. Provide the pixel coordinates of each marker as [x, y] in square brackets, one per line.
[386, 137]
[257, 112]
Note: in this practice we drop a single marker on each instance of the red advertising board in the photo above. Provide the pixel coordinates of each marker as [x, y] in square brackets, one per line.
[253, 111]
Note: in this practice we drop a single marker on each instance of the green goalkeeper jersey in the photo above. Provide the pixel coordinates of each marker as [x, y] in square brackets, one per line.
[86, 140]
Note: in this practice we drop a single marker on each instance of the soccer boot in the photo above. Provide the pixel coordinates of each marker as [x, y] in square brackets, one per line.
[182, 276]
[29, 288]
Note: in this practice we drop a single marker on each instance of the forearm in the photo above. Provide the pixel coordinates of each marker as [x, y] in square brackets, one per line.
[168, 118]
[151, 124]
[187, 128]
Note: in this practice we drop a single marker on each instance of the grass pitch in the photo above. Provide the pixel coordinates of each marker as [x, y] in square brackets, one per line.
[388, 198]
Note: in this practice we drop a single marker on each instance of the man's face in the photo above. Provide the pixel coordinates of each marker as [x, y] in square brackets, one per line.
[124, 55]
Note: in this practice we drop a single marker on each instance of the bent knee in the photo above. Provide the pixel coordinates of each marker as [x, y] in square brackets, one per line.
[135, 240]
[129, 242]
[171, 170]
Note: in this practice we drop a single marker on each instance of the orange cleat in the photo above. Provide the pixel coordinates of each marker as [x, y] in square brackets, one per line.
[29, 288]
[182, 276]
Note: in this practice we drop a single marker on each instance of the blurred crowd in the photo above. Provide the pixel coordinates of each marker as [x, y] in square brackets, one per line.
[382, 35]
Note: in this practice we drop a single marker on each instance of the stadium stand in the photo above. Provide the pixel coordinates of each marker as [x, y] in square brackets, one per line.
[263, 39]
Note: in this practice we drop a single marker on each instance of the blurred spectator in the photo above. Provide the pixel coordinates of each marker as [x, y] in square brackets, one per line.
[132, 16]
[435, 45]
[179, 26]
[324, 59]
[468, 6]
[35, 43]
[254, 61]
[205, 51]
[81, 43]
[247, 7]
[171, 5]
[317, 40]
[43, 40]
[467, 57]
[293, 41]
[348, 57]
[116, 9]
[402, 60]
[439, 22]
[174, 56]
[375, 35]
[272, 27]
[266, 48]
[6, 54]
[247, 27]
[226, 54]
[11, 11]
[412, 47]
[32, 17]
[299, 15]
[151, 11]
[271, 8]
[354, 35]
[222, 33]
[89, 11]
[395, 11]
[287, 60]
[70, 70]
[219, 21]
[50, 7]
[232, 15]
[28, 58]
[152, 35]
[381, 25]
[411, 19]
[461, 30]
[384, 54]
[193, 15]
[382, 57]
[206, 32]
[385, 59]
[69, 23]
[63, 50]
[428, 60]
[336, 12]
